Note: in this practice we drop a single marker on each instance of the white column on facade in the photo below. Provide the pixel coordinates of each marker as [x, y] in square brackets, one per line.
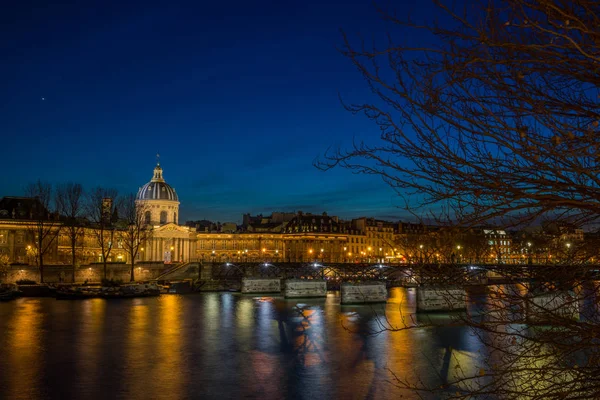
[158, 245]
[154, 247]
[186, 256]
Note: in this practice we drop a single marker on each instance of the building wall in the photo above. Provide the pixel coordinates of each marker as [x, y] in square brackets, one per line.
[89, 273]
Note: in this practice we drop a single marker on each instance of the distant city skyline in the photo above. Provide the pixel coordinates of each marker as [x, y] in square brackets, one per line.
[345, 203]
[238, 103]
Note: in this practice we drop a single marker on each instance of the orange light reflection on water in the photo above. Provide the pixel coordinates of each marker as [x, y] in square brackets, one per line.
[169, 364]
[308, 341]
[399, 342]
[90, 332]
[25, 340]
[138, 338]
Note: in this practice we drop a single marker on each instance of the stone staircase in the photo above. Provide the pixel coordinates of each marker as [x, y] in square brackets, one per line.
[184, 270]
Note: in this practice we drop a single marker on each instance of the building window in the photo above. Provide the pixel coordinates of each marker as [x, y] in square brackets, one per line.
[175, 218]
[163, 217]
[147, 217]
[3, 237]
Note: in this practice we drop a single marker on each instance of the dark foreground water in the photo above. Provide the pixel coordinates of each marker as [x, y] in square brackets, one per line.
[220, 346]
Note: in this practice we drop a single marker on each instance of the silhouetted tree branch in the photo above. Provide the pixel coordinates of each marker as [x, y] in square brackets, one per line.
[496, 120]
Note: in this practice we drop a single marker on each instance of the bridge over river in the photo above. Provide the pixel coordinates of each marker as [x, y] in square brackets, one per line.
[393, 274]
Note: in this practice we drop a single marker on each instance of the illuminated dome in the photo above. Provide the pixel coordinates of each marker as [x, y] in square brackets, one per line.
[158, 200]
[157, 188]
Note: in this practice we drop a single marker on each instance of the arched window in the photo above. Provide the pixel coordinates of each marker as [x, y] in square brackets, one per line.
[163, 217]
[174, 218]
[147, 217]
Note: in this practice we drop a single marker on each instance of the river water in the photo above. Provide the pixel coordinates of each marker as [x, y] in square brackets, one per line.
[222, 346]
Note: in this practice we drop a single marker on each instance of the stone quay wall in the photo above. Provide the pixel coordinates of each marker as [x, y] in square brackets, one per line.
[91, 273]
[364, 292]
[261, 285]
[296, 288]
[441, 299]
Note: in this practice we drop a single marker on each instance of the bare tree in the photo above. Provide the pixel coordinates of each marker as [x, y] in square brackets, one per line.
[135, 231]
[496, 120]
[45, 225]
[70, 202]
[102, 210]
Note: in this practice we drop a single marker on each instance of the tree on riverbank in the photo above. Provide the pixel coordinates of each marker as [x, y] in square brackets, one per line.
[45, 226]
[70, 203]
[496, 120]
[102, 211]
[135, 230]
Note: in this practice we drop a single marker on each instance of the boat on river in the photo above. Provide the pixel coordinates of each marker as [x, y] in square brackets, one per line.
[116, 292]
[9, 291]
[78, 292]
[131, 290]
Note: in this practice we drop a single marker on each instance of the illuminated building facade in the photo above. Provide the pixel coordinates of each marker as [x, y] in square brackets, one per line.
[281, 236]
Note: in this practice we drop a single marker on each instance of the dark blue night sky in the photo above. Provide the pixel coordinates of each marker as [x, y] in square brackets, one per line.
[238, 97]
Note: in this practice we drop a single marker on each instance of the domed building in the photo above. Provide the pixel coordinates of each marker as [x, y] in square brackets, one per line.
[159, 199]
[159, 202]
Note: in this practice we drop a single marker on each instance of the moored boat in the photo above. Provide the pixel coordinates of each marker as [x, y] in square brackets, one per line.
[77, 293]
[131, 290]
[105, 292]
[9, 292]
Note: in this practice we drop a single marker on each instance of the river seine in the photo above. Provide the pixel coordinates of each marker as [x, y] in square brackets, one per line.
[222, 346]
